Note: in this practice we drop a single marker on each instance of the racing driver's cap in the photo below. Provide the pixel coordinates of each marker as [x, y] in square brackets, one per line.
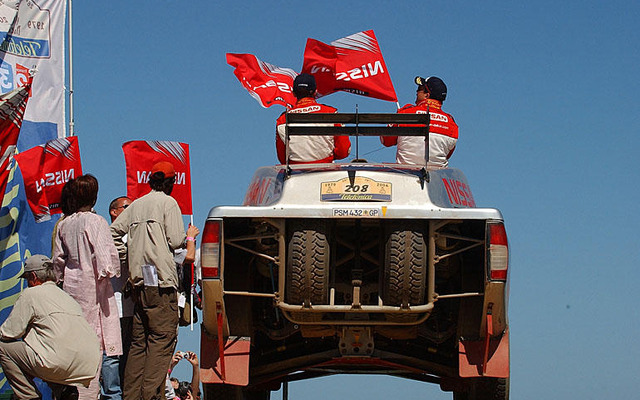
[434, 85]
[305, 81]
[165, 167]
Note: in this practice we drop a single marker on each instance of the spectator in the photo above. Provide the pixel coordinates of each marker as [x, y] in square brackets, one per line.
[184, 258]
[84, 260]
[175, 382]
[57, 344]
[169, 388]
[443, 131]
[154, 227]
[67, 206]
[124, 302]
[309, 149]
[186, 390]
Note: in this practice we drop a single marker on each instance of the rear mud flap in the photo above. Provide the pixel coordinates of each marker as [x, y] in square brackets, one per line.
[471, 355]
[231, 367]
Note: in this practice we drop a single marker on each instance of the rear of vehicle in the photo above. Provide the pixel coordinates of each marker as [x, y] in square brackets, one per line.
[355, 268]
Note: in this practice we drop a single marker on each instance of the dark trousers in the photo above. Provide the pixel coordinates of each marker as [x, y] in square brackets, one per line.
[126, 331]
[155, 332]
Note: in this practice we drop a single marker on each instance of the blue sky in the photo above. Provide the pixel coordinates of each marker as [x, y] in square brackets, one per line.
[545, 94]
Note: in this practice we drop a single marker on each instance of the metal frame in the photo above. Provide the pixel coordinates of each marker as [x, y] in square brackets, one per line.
[422, 311]
[355, 124]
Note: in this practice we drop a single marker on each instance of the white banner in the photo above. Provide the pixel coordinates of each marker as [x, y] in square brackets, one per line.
[32, 37]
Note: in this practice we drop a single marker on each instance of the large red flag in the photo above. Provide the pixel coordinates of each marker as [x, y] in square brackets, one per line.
[12, 106]
[352, 64]
[267, 83]
[45, 169]
[141, 155]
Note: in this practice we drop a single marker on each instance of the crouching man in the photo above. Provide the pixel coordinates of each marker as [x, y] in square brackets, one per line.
[57, 346]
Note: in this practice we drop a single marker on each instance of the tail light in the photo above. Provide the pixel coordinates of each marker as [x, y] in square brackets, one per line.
[498, 251]
[210, 249]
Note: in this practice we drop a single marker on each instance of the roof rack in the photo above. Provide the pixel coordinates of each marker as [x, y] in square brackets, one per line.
[356, 124]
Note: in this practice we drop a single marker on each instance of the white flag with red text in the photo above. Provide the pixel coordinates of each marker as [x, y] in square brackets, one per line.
[352, 64]
[267, 83]
[32, 38]
[141, 155]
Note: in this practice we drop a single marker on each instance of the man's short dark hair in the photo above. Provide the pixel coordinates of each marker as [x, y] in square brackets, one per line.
[302, 93]
[184, 387]
[159, 183]
[114, 203]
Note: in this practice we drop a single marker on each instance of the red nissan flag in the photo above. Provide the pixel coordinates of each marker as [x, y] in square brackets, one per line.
[267, 83]
[12, 106]
[45, 170]
[141, 155]
[352, 64]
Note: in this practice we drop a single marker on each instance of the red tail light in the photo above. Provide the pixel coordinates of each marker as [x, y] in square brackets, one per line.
[210, 249]
[498, 251]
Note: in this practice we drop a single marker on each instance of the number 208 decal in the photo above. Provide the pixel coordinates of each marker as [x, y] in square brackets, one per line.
[359, 188]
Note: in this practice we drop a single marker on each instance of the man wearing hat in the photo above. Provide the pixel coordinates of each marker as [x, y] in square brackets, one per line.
[443, 131]
[57, 346]
[309, 149]
[154, 228]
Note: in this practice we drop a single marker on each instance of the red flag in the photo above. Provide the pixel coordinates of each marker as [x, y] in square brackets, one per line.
[352, 64]
[45, 169]
[267, 83]
[141, 155]
[12, 106]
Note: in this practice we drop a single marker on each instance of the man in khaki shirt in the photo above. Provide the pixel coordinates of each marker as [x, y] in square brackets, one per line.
[154, 228]
[57, 346]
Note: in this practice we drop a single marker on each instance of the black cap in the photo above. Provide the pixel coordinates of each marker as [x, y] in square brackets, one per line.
[304, 81]
[436, 87]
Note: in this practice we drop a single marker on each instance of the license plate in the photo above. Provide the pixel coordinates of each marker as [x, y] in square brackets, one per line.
[357, 212]
[359, 189]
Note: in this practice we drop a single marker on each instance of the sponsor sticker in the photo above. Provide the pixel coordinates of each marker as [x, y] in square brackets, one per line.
[358, 189]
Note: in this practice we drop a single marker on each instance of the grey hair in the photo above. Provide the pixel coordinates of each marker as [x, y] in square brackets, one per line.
[46, 274]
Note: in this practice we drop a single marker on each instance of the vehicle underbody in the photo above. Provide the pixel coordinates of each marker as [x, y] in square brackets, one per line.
[359, 293]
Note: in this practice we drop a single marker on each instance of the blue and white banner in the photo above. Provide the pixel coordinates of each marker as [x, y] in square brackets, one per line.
[32, 38]
[20, 237]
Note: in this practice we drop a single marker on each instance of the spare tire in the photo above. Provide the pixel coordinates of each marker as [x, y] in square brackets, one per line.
[308, 257]
[405, 264]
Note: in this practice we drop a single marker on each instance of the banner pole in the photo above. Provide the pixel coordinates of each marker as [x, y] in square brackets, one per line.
[193, 283]
[71, 116]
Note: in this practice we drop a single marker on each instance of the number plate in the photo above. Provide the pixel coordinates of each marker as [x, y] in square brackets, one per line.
[362, 189]
[357, 212]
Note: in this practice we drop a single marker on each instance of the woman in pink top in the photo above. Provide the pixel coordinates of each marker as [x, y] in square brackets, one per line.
[85, 259]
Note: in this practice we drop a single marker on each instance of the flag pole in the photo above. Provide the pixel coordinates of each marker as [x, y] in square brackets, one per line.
[71, 116]
[193, 283]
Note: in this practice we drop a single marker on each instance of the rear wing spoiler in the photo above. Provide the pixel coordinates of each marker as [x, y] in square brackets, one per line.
[356, 124]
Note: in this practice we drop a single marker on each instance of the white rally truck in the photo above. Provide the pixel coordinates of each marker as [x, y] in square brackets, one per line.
[355, 268]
